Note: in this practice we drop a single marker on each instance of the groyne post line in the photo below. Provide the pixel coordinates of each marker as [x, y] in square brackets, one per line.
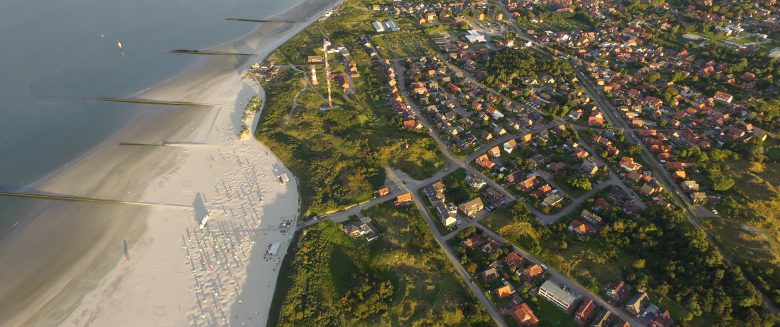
[88, 199]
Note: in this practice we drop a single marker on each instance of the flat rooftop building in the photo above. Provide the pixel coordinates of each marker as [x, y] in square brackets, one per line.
[559, 296]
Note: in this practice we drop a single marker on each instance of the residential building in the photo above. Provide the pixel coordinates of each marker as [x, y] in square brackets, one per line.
[552, 200]
[363, 227]
[618, 291]
[383, 191]
[662, 320]
[490, 274]
[523, 314]
[484, 161]
[580, 227]
[637, 303]
[533, 271]
[558, 295]
[505, 291]
[403, 199]
[601, 319]
[447, 213]
[629, 165]
[514, 260]
[590, 218]
[473, 241]
[471, 208]
[435, 192]
[586, 310]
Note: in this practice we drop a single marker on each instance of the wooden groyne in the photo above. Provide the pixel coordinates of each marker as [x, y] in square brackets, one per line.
[72, 198]
[154, 102]
[250, 20]
[165, 144]
[210, 53]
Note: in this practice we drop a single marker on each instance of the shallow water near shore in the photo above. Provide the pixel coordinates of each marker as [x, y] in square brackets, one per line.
[60, 55]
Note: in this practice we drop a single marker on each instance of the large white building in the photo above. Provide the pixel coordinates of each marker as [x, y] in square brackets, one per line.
[559, 296]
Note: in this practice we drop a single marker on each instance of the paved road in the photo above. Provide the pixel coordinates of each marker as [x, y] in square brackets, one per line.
[455, 161]
[503, 139]
[563, 280]
[658, 171]
[497, 317]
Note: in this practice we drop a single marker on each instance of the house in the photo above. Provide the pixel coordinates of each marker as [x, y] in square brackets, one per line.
[618, 291]
[579, 227]
[723, 97]
[490, 246]
[435, 192]
[699, 198]
[471, 208]
[474, 182]
[473, 241]
[589, 167]
[633, 176]
[523, 314]
[552, 200]
[637, 303]
[484, 161]
[534, 271]
[505, 291]
[491, 274]
[648, 189]
[558, 295]
[629, 165]
[514, 260]
[495, 151]
[581, 154]
[403, 199]
[510, 145]
[590, 218]
[363, 227]
[602, 319]
[447, 213]
[383, 191]
[690, 186]
[411, 124]
[662, 320]
[585, 311]
[378, 27]
[528, 184]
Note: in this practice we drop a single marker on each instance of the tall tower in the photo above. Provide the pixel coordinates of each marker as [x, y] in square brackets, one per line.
[313, 75]
[325, 45]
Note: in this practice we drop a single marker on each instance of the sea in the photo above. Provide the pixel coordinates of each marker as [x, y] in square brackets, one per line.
[56, 57]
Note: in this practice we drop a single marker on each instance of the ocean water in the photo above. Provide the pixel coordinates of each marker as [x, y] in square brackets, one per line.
[57, 56]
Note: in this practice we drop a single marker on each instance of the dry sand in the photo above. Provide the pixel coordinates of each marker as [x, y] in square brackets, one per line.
[67, 266]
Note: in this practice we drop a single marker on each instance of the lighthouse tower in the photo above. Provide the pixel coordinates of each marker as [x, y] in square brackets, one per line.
[313, 75]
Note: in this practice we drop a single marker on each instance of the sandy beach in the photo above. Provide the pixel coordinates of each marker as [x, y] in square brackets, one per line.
[88, 264]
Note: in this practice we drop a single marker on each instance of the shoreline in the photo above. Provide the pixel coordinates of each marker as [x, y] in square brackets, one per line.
[151, 229]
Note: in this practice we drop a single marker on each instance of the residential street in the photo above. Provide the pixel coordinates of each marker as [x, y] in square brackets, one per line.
[563, 280]
[497, 317]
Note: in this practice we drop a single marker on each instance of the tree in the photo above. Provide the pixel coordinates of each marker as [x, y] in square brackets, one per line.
[638, 264]
[580, 182]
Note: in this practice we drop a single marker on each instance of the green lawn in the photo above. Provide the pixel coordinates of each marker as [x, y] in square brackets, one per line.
[550, 315]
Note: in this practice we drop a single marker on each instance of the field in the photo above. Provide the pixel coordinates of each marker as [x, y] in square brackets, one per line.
[401, 279]
[590, 261]
[747, 229]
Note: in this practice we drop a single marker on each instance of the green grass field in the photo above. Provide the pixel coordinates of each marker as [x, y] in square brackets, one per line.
[327, 267]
